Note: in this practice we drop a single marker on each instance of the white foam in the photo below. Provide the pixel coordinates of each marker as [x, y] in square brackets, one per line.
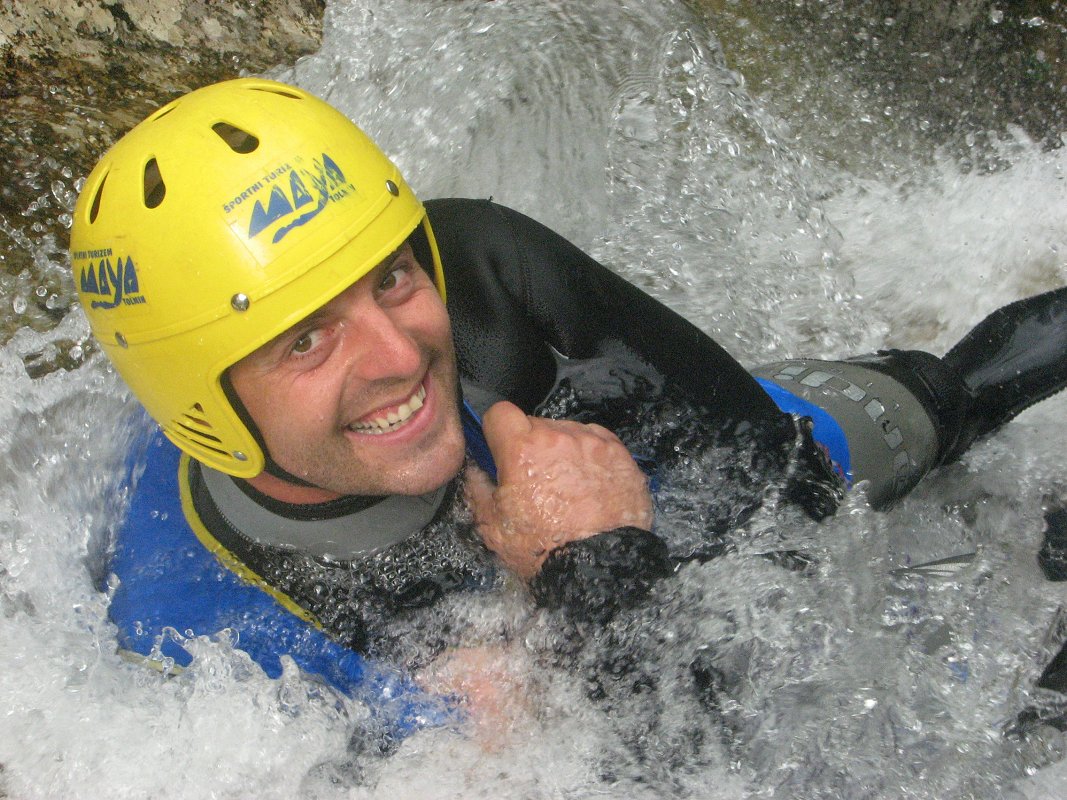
[623, 128]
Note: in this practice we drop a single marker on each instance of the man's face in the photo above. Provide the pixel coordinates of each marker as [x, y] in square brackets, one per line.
[361, 397]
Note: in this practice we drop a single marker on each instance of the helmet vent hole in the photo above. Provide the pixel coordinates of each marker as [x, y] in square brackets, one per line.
[94, 209]
[154, 188]
[277, 91]
[193, 427]
[163, 112]
[239, 141]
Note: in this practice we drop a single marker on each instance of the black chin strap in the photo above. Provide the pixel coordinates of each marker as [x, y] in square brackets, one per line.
[271, 467]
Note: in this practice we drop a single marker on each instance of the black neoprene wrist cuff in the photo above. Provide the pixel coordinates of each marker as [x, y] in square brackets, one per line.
[591, 579]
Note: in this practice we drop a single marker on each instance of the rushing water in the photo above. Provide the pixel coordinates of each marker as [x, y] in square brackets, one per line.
[624, 128]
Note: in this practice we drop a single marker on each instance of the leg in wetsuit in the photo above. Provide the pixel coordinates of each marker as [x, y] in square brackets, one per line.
[904, 412]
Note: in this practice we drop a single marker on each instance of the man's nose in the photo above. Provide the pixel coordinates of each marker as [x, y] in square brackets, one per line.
[378, 346]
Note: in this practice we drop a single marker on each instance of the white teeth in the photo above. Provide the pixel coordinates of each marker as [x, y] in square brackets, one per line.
[394, 419]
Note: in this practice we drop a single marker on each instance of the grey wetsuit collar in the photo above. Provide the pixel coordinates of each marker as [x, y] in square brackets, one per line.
[361, 533]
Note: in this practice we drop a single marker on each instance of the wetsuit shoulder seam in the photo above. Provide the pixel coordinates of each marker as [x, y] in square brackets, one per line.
[501, 212]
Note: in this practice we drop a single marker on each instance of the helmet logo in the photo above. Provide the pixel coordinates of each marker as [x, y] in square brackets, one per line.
[117, 282]
[327, 182]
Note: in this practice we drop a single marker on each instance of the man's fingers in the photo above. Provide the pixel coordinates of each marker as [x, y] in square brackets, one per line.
[507, 431]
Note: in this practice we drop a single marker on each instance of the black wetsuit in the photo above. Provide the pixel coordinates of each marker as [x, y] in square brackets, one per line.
[538, 322]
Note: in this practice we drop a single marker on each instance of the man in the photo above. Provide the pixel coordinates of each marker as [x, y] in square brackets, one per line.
[274, 294]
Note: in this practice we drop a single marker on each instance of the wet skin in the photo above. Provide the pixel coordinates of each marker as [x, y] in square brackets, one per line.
[337, 396]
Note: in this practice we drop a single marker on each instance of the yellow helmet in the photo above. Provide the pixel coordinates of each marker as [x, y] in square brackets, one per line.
[220, 221]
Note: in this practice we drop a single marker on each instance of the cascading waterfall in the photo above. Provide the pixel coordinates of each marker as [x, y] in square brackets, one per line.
[626, 129]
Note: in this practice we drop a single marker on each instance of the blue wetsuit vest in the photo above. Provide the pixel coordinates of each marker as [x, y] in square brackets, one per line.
[176, 581]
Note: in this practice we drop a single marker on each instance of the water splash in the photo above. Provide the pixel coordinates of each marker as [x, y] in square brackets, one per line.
[627, 129]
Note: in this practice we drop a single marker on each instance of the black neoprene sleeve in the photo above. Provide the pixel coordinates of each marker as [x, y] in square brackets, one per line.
[516, 288]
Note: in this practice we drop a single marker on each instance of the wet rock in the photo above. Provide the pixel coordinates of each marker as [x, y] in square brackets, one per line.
[76, 74]
[960, 73]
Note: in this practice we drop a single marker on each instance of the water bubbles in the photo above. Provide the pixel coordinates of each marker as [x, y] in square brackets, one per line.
[996, 16]
[41, 291]
[18, 305]
[64, 196]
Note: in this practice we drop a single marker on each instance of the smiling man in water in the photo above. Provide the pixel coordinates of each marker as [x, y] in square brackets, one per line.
[298, 348]
[361, 397]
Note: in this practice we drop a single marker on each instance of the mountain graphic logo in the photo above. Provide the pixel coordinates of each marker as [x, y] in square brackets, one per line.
[307, 194]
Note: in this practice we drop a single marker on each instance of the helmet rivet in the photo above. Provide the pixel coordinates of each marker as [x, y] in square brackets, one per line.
[394, 190]
[121, 340]
[240, 302]
[239, 455]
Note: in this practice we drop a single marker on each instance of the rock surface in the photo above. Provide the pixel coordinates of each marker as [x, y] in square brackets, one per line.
[74, 75]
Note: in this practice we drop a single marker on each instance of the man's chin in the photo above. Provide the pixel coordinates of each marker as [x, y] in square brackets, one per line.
[421, 476]
[429, 478]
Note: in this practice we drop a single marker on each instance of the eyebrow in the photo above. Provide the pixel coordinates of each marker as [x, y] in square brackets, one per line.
[315, 316]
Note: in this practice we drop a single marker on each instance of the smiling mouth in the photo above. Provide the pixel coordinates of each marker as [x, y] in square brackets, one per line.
[393, 420]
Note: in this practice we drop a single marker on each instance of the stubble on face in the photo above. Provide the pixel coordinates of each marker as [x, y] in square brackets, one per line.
[320, 393]
[349, 463]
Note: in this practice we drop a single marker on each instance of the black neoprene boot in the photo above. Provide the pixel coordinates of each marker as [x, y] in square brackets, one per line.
[1014, 358]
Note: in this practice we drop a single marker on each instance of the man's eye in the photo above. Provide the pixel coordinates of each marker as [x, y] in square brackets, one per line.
[304, 343]
[394, 278]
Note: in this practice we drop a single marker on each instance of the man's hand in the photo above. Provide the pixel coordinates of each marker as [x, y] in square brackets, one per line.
[492, 685]
[558, 481]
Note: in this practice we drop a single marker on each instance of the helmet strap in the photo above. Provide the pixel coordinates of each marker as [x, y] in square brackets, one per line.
[420, 247]
[270, 466]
